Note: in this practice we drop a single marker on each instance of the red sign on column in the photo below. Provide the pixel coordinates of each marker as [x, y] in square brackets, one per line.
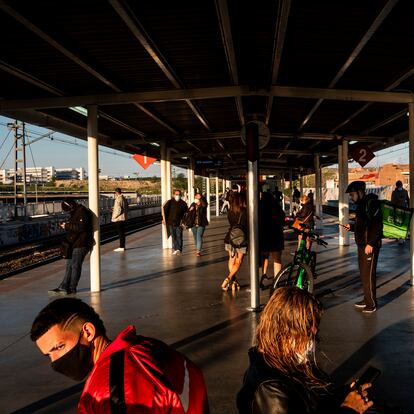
[143, 160]
[362, 154]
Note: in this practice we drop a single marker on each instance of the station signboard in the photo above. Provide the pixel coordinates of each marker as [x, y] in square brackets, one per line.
[209, 164]
[362, 154]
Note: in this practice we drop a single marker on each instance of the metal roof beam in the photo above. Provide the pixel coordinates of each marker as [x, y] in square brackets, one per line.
[207, 93]
[138, 30]
[57, 92]
[227, 38]
[390, 87]
[387, 121]
[367, 36]
[72, 56]
[280, 32]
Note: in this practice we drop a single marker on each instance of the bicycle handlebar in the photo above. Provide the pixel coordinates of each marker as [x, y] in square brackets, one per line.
[313, 236]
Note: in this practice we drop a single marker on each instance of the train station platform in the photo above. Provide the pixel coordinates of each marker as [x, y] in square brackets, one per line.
[178, 300]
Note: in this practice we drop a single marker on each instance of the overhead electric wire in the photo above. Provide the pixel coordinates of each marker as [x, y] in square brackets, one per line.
[1, 146]
[5, 159]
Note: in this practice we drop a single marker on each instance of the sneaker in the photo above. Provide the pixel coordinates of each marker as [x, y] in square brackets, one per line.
[58, 292]
[119, 249]
[198, 254]
[176, 252]
[360, 305]
[369, 310]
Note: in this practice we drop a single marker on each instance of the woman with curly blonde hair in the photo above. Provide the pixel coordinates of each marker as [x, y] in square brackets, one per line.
[283, 377]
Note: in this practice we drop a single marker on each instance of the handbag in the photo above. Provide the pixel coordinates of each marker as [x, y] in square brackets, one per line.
[66, 248]
[298, 224]
[188, 219]
[237, 236]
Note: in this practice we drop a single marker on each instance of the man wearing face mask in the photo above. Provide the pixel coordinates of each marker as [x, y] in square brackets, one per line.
[368, 233]
[197, 220]
[131, 374]
[173, 212]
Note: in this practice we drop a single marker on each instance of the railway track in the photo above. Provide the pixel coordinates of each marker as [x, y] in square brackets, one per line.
[20, 258]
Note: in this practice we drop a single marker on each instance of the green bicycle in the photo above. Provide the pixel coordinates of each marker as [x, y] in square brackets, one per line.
[302, 270]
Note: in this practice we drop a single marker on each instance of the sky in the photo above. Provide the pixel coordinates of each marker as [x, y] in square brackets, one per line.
[66, 151]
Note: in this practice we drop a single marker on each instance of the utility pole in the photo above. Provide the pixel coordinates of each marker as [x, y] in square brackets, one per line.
[19, 146]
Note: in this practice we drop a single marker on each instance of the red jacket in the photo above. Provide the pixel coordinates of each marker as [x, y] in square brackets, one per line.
[143, 375]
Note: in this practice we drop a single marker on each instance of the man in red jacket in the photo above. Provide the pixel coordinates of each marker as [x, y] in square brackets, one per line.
[131, 374]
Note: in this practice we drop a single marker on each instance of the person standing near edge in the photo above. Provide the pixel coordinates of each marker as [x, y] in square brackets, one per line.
[173, 212]
[368, 233]
[79, 240]
[198, 220]
[119, 215]
[400, 198]
[131, 374]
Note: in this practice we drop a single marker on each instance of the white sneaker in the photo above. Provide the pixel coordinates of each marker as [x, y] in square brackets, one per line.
[177, 252]
[119, 249]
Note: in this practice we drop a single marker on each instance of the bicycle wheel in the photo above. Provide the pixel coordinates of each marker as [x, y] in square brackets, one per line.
[289, 275]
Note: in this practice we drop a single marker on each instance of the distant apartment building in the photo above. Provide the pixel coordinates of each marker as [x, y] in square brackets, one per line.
[42, 174]
[70, 174]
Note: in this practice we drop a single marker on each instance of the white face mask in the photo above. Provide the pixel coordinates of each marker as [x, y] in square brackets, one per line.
[309, 352]
[197, 201]
[177, 198]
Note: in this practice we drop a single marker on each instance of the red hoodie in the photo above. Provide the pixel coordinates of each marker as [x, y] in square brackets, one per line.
[143, 375]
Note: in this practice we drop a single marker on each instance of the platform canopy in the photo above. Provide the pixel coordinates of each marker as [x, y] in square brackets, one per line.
[193, 73]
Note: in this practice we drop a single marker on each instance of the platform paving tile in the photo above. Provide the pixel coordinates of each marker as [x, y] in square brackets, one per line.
[178, 300]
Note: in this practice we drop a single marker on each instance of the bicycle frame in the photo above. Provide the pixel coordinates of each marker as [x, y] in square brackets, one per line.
[302, 255]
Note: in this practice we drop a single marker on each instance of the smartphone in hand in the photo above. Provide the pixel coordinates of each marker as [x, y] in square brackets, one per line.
[370, 375]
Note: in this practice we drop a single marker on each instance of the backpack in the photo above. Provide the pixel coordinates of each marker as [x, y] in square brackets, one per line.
[395, 219]
[238, 236]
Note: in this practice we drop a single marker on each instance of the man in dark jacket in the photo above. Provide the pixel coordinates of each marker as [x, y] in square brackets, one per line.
[131, 374]
[173, 212]
[368, 233]
[78, 242]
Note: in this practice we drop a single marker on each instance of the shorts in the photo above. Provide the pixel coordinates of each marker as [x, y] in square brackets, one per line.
[228, 247]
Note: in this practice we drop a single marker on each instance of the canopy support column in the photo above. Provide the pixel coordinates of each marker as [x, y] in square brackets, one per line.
[93, 194]
[217, 197]
[208, 199]
[411, 161]
[318, 189]
[343, 199]
[252, 135]
[165, 189]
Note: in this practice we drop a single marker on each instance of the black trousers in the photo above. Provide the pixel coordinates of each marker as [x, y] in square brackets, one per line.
[368, 274]
[120, 226]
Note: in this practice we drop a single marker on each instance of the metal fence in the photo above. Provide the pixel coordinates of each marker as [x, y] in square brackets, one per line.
[10, 212]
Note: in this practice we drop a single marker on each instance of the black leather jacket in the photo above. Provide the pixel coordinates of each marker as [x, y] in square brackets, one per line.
[266, 390]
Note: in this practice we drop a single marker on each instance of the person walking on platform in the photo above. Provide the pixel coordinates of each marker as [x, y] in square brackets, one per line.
[368, 233]
[132, 374]
[400, 198]
[77, 243]
[237, 216]
[119, 215]
[197, 220]
[173, 212]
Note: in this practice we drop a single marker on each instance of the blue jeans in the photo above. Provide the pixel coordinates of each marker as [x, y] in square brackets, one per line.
[198, 236]
[74, 269]
[177, 237]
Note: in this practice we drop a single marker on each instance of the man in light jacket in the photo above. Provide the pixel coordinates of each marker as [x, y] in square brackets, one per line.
[119, 215]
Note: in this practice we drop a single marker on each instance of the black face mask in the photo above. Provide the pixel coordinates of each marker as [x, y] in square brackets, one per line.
[76, 363]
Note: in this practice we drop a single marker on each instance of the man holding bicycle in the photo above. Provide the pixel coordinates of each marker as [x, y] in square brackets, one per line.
[368, 233]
